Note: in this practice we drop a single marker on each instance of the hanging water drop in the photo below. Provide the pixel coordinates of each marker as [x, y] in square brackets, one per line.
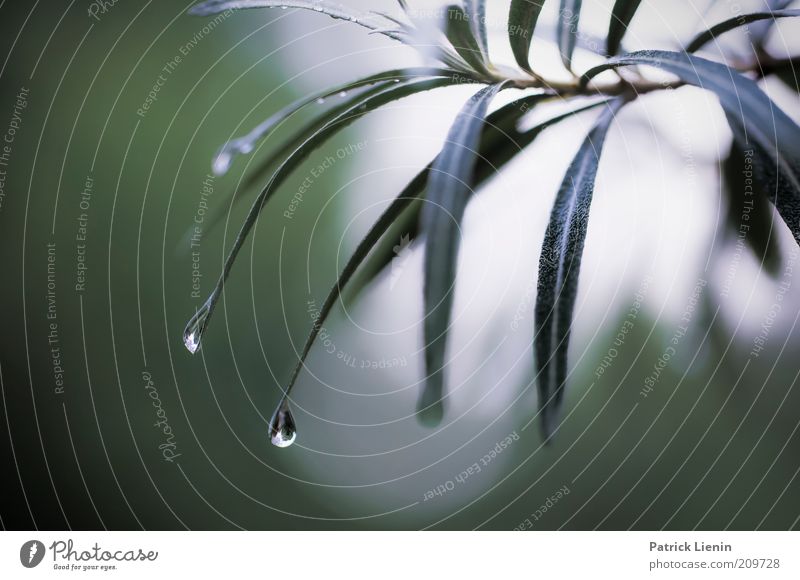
[193, 332]
[222, 162]
[192, 342]
[282, 430]
[343, 94]
[320, 101]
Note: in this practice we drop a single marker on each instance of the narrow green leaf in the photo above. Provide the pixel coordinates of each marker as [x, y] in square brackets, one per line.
[522, 17]
[741, 20]
[246, 143]
[559, 267]
[789, 74]
[476, 12]
[399, 236]
[757, 123]
[749, 217]
[775, 170]
[447, 193]
[621, 16]
[368, 20]
[567, 31]
[198, 323]
[759, 31]
[458, 29]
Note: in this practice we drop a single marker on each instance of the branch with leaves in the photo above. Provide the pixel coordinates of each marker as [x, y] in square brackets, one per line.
[480, 143]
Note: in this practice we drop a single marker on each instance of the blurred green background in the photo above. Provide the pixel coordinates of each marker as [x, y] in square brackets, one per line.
[713, 445]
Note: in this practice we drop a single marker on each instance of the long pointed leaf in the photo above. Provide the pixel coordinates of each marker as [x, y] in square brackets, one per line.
[371, 21]
[759, 31]
[522, 17]
[755, 120]
[789, 74]
[559, 267]
[749, 218]
[448, 191]
[567, 31]
[246, 143]
[476, 12]
[460, 33]
[198, 323]
[621, 16]
[741, 20]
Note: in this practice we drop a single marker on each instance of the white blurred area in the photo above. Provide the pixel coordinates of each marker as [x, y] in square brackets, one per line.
[657, 212]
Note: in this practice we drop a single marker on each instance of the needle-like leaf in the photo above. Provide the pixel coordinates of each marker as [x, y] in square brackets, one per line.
[522, 17]
[328, 127]
[459, 31]
[749, 219]
[789, 74]
[559, 267]
[621, 16]
[246, 143]
[759, 31]
[757, 123]
[476, 12]
[567, 31]
[449, 188]
[741, 20]
[369, 20]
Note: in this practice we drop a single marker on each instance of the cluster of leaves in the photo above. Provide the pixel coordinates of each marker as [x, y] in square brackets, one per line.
[432, 205]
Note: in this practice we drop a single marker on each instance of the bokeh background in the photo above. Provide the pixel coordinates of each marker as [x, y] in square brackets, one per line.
[92, 364]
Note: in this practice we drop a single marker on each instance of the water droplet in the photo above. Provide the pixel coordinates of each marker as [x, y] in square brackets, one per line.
[222, 162]
[246, 147]
[320, 101]
[284, 7]
[318, 8]
[343, 94]
[192, 342]
[397, 80]
[193, 333]
[282, 430]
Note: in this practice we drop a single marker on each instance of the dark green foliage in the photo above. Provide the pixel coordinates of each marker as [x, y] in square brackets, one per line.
[621, 16]
[567, 32]
[742, 20]
[559, 266]
[522, 18]
[446, 198]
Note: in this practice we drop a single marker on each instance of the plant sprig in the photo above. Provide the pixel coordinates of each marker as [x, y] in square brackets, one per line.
[480, 143]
